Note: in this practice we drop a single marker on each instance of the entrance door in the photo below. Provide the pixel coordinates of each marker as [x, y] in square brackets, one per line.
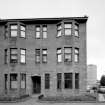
[36, 84]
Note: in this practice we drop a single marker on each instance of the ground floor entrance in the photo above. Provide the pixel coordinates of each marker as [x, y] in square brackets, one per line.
[36, 84]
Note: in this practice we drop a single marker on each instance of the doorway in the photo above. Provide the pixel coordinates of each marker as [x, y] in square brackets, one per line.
[36, 81]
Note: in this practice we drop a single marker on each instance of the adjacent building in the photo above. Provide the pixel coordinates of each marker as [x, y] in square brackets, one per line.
[91, 75]
[43, 56]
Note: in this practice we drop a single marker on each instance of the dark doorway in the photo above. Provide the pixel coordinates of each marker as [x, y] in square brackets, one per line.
[36, 80]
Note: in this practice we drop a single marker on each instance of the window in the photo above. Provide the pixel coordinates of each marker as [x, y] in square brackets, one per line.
[23, 80]
[22, 55]
[59, 30]
[5, 56]
[37, 32]
[76, 80]
[59, 80]
[14, 29]
[13, 81]
[6, 32]
[37, 55]
[68, 80]
[76, 30]
[67, 54]
[67, 28]
[44, 55]
[76, 56]
[13, 55]
[47, 81]
[59, 55]
[44, 31]
[6, 80]
[22, 31]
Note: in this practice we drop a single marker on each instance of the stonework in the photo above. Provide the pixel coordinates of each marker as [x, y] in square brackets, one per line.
[36, 72]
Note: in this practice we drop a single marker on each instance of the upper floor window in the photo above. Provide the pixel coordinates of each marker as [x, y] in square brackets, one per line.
[59, 55]
[23, 55]
[76, 30]
[59, 30]
[37, 55]
[13, 55]
[22, 31]
[14, 30]
[67, 29]
[44, 29]
[76, 54]
[44, 55]
[5, 56]
[6, 32]
[67, 54]
[37, 35]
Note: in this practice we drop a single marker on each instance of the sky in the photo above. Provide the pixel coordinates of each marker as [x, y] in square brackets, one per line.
[94, 9]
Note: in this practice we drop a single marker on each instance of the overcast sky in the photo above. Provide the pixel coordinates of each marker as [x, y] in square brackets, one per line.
[95, 9]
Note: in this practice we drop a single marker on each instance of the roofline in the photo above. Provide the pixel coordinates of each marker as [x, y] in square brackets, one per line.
[56, 18]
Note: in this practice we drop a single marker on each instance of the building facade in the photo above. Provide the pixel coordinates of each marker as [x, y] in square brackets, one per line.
[43, 56]
[91, 75]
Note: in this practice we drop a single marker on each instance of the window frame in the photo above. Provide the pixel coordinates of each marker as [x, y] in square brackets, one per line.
[39, 31]
[76, 29]
[21, 30]
[76, 54]
[5, 56]
[23, 79]
[47, 81]
[67, 28]
[44, 31]
[68, 54]
[70, 80]
[59, 54]
[37, 55]
[22, 55]
[59, 30]
[16, 55]
[76, 81]
[59, 81]
[44, 55]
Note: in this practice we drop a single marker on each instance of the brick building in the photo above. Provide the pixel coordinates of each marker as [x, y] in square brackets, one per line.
[43, 56]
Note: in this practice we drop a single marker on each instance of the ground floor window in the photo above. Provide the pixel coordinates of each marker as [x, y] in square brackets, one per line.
[59, 81]
[23, 80]
[6, 78]
[13, 81]
[68, 80]
[47, 81]
[76, 80]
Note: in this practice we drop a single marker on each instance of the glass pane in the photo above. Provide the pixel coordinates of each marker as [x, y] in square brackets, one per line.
[59, 58]
[44, 51]
[22, 51]
[44, 58]
[13, 57]
[13, 33]
[13, 51]
[37, 28]
[59, 27]
[22, 59]
[67, 50]
[23, 34]
[14, 26]
[14, 84]
[59, 33]
[67, 25]
[37, 34]
[76, 50]
[68, 58]
[37, 51]
[76, 33]
[22, 28]
[37, 58]
[76, 58]
[22, 84]
[44, 35]
[76, 26]
[59, 51]
[67, 31]
[44, 28]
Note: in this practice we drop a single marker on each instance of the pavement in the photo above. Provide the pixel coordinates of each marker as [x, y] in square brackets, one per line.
[33, 101]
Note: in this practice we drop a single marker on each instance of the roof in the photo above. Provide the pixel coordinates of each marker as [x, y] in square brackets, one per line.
[49, 20]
